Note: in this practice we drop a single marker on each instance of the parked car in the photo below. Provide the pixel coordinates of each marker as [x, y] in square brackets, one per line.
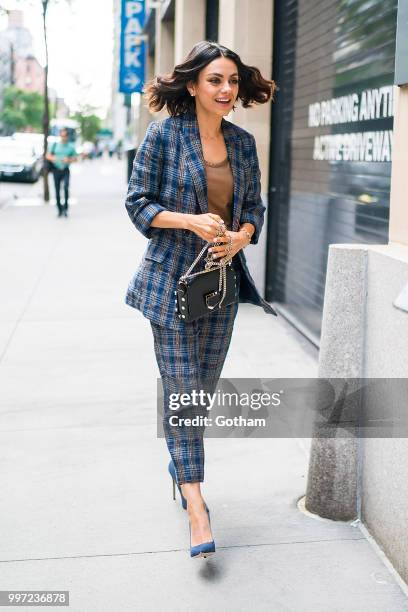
[19, 161]
[29, 138]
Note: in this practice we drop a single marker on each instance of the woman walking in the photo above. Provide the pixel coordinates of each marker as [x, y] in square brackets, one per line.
[195, 182]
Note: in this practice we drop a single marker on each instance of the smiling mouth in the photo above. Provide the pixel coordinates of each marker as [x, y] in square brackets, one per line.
[225, 102]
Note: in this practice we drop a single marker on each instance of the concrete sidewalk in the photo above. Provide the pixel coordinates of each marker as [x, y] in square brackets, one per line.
[86, 502]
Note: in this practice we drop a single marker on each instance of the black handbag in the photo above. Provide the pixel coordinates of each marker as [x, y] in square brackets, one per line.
[49, 166]
[202, 292]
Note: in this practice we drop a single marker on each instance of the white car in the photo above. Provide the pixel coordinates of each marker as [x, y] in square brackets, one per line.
[19, 161]
[28, 138]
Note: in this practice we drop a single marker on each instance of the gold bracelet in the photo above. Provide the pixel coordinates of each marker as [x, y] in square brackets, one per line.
[247, 233]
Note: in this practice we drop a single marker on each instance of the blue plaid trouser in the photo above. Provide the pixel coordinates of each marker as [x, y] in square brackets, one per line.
[191, 359]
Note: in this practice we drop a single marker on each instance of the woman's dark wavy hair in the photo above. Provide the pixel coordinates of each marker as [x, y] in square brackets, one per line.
[170, 90]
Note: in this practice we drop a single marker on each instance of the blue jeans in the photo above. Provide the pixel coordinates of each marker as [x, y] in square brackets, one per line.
[61, 176]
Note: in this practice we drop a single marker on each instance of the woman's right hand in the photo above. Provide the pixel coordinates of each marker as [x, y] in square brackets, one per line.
[206, 225]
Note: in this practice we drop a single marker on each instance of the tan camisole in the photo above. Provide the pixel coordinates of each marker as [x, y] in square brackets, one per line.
[220, 189]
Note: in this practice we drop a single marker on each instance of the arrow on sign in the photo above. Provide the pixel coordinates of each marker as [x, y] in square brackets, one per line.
[131, 80]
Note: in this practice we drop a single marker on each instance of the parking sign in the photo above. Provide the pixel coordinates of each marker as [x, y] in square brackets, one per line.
[132, 46]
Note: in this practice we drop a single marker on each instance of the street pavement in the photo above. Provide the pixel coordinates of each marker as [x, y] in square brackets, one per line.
[86, 502]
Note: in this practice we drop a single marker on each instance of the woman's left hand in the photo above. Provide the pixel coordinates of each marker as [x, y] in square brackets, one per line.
[238, 241]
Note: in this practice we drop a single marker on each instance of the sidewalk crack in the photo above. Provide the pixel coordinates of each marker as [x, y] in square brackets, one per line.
[171, 550]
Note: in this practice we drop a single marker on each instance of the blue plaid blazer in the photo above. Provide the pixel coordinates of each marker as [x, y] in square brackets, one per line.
[169, 174]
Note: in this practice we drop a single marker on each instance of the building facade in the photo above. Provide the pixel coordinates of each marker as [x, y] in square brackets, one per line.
[23, 69]
[29, 74]
[331, 143]
[18, 35]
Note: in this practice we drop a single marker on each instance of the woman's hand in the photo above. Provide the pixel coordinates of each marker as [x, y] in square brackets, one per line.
[207, 226]
[237, 240]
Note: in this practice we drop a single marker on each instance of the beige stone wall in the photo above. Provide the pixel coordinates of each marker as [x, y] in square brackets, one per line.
[164, 49]
[248, 32]
[164, 52]
[189, 26]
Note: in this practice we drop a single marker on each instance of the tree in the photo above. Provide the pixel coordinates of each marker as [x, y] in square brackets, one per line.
[22, 110]
[90, 125]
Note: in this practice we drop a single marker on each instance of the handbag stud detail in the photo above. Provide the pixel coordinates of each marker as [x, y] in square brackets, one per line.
[201, 292]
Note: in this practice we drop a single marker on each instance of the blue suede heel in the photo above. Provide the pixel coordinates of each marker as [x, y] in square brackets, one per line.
[206, 549]
[172, 471]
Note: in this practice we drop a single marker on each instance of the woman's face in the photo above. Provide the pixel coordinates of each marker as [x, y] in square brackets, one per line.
[217, 81]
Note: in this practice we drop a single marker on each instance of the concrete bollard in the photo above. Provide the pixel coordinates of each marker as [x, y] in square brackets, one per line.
[333, 469]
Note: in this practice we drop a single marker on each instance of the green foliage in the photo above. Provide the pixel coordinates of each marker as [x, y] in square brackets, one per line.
[90, 125]
[22, 110]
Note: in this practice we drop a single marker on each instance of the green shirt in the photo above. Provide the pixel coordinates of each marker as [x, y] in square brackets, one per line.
[61, 150]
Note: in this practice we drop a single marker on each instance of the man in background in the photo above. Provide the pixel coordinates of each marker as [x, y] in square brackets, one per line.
[62, 154]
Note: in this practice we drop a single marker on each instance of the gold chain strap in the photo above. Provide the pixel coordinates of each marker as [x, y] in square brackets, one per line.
[211, 265]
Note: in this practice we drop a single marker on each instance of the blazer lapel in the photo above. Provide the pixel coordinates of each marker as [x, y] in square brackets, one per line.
[235, 155]
[195, 160]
